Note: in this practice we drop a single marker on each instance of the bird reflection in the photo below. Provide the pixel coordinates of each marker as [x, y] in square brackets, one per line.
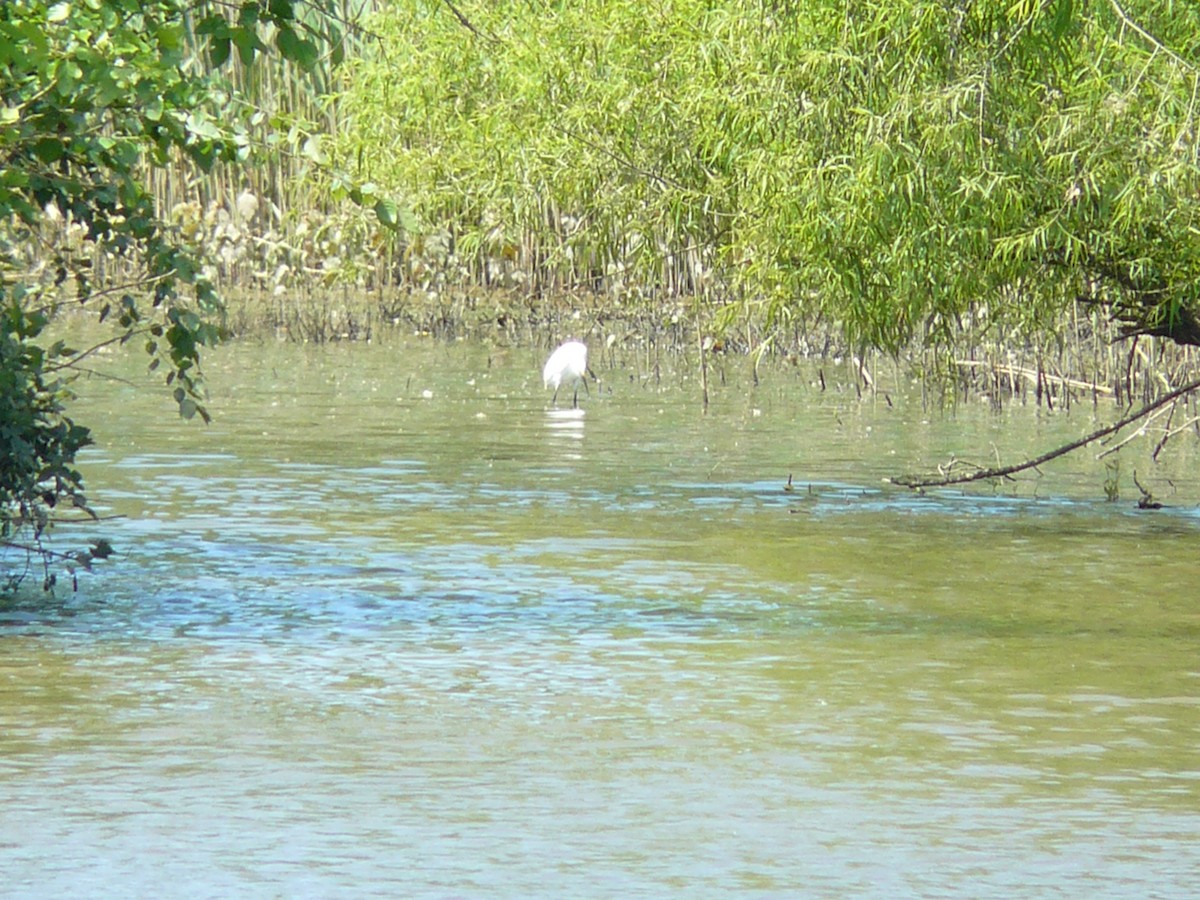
[564, 431]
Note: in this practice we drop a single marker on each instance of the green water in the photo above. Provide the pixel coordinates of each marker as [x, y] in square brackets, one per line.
[391, 626]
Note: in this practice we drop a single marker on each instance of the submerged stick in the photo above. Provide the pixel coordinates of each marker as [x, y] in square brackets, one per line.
[1014, 372]
[1005, 471]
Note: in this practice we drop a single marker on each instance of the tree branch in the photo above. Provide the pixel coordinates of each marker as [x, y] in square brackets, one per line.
[84, 354]
[1004, 471]
[466, 23]
[1148, 37]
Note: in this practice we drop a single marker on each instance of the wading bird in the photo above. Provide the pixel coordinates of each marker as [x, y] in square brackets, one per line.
[567, 365]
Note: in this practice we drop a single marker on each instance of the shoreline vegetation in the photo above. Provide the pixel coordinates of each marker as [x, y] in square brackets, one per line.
[999, 199]
[1087, 362]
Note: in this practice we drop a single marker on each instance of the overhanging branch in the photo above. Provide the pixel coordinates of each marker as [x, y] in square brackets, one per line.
[1005, 471]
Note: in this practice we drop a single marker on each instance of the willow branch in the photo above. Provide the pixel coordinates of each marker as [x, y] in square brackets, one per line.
[1148, 37]
[629, 164]
[1004, 471]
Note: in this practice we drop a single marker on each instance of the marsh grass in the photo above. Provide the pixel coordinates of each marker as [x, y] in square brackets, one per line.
[1085, 362]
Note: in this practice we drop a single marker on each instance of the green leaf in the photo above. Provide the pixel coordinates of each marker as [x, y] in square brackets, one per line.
[296, 49]
[247, 44]
[212, 25]
[281, 10]
[248, 15]
[388, 213]
[1062, 18]
[218, 50]
[49, 149]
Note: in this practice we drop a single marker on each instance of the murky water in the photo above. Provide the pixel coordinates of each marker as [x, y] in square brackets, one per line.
[392, 627]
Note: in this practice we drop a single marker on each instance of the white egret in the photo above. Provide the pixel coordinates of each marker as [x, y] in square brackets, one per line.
[567, 365]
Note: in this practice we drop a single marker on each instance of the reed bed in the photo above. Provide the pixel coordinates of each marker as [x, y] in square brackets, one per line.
[1081, 363]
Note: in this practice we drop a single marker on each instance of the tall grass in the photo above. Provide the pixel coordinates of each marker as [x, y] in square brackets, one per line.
[276, 226]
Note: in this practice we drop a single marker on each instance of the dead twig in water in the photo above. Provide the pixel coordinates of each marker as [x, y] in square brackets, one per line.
[1004, 471]
[1134, 436]
[1171, 432]
[1146, 501]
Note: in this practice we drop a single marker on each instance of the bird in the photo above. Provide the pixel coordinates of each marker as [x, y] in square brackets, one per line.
[567, 365]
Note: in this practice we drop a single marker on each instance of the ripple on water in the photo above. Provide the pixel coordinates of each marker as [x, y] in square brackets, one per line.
[357, 647]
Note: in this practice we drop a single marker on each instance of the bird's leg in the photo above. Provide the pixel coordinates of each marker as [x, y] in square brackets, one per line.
[554, 399]
[575, 399]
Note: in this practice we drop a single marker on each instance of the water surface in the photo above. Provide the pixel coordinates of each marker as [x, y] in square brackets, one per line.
[393, 626]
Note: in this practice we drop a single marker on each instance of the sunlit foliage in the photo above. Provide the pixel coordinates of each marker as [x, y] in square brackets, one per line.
[893, 168]
[94, 95]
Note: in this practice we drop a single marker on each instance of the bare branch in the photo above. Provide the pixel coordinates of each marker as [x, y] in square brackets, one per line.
[466, 23]
[1005, 471]
[74, 361]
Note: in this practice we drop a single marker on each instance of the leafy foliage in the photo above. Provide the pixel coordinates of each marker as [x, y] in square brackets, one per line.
[93, 96]
[37, 441]
[898, 168]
